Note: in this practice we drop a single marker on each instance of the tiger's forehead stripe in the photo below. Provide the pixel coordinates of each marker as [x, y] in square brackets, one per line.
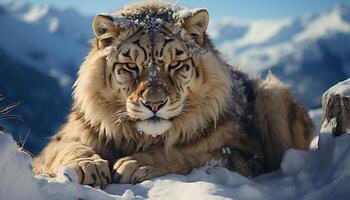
[152, 45]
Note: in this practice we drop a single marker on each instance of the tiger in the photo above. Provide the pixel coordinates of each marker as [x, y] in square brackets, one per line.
[154, 97]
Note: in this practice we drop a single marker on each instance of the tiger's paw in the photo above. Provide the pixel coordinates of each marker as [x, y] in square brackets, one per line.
[130, 170]
[92, 171]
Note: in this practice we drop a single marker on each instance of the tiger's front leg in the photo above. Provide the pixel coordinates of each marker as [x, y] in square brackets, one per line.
[147, 165]
[133, 169]
[90, 168]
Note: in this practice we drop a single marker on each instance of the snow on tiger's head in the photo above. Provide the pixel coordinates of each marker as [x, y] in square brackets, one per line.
[152, 68]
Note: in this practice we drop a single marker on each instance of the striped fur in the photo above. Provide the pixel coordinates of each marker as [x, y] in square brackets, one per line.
[207, 110]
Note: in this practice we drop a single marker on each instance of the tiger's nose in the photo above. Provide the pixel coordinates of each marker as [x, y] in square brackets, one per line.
[154, 106]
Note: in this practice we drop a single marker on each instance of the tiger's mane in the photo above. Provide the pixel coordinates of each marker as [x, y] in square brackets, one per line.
[201, 112]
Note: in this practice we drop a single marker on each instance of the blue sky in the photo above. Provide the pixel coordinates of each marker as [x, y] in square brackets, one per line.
[243, 9]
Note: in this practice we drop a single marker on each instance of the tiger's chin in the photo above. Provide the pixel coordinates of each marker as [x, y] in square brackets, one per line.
[153, 126]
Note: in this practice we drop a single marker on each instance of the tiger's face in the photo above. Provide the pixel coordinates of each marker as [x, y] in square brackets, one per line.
[150, 70]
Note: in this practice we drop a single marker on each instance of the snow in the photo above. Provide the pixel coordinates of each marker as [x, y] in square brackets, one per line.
[291, 48]
[15, 185]
[60, 37]
[183, 13]
[64, 80]
[45, 38]
[260, 31]
[258, 45]
[37, 12]
[57, 39]
[322, 173]
[342, 89]
[316, 116]
[324, 25]
[54, 25]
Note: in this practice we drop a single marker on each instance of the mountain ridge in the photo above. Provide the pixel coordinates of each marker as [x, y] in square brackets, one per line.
[309, 53]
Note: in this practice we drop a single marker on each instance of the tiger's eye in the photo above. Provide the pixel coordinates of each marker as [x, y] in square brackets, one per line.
[106, 42]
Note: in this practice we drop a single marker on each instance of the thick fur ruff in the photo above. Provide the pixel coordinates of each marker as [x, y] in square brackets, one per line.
[209, 110]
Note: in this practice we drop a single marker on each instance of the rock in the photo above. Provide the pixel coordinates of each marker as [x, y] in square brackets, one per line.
[336, 109]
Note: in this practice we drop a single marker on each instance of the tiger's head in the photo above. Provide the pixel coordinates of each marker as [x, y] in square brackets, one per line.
[148, 60]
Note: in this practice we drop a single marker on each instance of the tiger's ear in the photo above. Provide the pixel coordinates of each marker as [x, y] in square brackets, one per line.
[196, 23]
[105, 30]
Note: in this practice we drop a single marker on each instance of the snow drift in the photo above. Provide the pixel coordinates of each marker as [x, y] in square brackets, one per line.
[318, 174]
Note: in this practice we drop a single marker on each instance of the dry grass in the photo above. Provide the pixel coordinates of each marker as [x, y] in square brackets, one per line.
[6, 110]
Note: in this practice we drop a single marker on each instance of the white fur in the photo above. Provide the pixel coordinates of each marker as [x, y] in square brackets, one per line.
[146, 113]
[153, 128]
[166, 114]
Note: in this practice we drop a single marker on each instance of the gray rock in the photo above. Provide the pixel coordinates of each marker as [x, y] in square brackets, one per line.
[336, 109]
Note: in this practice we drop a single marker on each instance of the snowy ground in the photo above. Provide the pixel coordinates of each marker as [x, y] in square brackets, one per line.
[317, 174]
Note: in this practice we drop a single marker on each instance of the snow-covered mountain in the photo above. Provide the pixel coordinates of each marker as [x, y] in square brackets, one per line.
[310, 53]
[52, 40]
[41, 48]
[42, 103]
